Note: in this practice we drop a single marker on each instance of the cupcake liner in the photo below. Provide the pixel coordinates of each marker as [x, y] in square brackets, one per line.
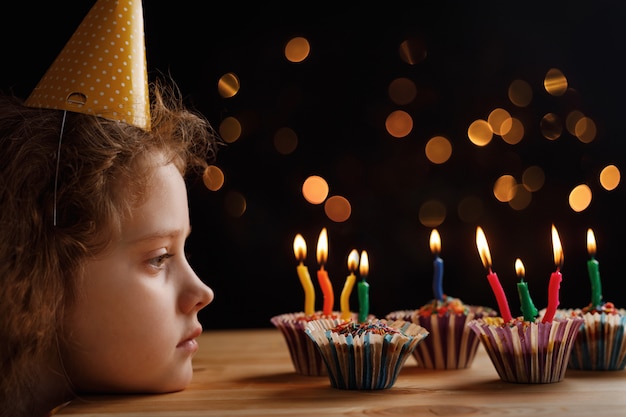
[450, 344]
[304, 354]
[528, 352]
[368, 361]
[601, 342]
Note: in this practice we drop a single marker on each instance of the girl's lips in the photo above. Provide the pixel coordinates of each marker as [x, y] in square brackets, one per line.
[190, 342]
[190, 345]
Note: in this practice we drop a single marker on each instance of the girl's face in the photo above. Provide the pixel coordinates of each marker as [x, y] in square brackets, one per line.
[134, 324]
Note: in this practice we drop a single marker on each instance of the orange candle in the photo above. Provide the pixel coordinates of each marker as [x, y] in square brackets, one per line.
[496, 287]
[353, 262]
[299, 248]
[322, 275]
[555, 278]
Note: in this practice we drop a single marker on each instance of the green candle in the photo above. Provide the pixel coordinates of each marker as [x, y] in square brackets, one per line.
[528, 307]
[363, 288]
[594, 270]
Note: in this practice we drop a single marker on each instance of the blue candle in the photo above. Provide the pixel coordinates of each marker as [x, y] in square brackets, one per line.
[435, 247]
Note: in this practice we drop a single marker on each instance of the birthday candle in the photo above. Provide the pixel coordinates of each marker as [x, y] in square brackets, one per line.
[435, 247]
[555, 278]
[364, 288]
[496, 287]
[299, 248]
[353, 262]
[322, 275]
[528, 307]
[593, 267]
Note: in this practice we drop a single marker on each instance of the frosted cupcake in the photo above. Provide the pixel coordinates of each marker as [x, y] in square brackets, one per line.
[601, 342]
[304, 354]
[531, 352]
[450, 344]
[364, 356]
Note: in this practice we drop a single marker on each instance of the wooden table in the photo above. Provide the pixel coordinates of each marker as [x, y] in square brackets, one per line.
[249, 373]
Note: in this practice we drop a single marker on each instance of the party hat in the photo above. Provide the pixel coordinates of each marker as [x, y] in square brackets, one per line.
[102, 68]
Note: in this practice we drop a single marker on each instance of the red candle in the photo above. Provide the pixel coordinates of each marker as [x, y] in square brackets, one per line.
[496, 287]
[555, 278]
[322, 275]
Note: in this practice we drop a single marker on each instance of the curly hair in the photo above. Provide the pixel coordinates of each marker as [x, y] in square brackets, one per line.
[49, 225]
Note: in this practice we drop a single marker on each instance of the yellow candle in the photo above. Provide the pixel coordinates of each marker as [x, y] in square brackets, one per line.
[353, 262]
[299, 248]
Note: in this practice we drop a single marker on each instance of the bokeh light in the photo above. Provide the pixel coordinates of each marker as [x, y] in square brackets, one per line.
[585, 130]
[213, 178]
[551, 126]
[399, 124]
[480, 133]
[520, 93]
[438, 150]
[500, 121]
[315, 189]
[610, 177]
[555, 82]
[285, 141]
[504, 188]
[338, 208]
[230, 129]
[533, 178]
[516, 131]
[402, 91]
[297, 49]
[412, 50]
[580, 197]
[228, 85]
[432, 213]
[521, 197]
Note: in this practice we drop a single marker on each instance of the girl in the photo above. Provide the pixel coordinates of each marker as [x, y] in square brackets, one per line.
[96, 294]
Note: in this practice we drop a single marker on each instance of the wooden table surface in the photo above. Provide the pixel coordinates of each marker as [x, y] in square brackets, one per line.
[249, 373]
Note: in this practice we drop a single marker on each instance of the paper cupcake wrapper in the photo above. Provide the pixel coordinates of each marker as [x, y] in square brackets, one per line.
[304, 354]
[450, 343]
[533, 353]
[369, 361]
[601, 342]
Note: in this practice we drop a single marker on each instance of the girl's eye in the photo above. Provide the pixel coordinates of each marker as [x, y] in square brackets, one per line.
[160, 260]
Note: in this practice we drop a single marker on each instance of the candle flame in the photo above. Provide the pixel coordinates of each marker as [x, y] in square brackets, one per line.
[519, 268]
[322, 247]
[364, 267]
[591, 243]
[483, 248]
[435, 242]
[299, 248]
[353, 260]
[558, 250]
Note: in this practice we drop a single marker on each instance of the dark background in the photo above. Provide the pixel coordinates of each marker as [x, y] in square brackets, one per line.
[336, 102]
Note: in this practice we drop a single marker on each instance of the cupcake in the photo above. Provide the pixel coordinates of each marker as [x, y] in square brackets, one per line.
[304, 354]
[450, 344]
[531, 352]
[364, 356]
[527, 349]
[601, 342]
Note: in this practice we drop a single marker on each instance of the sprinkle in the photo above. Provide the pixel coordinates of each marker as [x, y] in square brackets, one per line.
[358, 329]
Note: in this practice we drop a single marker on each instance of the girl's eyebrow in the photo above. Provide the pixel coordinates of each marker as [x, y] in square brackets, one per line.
[163, 234]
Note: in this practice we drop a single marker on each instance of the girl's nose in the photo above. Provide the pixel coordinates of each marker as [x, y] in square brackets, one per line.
[195, 295]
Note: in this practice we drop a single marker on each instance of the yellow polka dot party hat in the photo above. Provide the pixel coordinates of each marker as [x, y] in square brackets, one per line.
[102, 68]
